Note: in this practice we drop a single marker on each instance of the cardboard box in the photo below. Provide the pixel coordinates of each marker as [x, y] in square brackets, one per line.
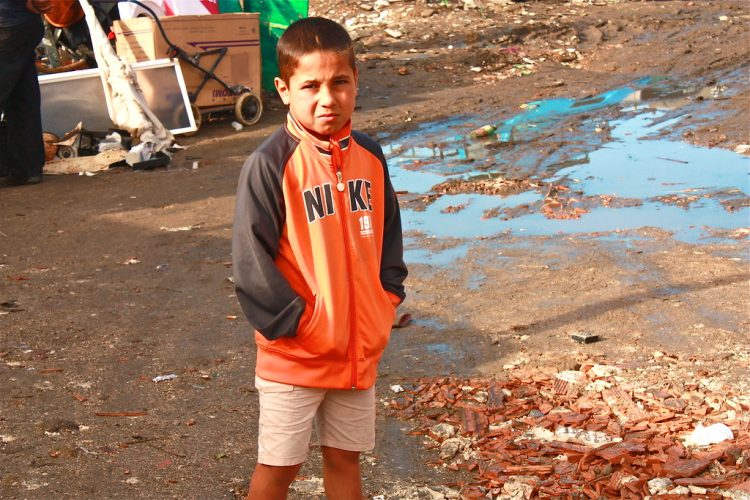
[139, 40]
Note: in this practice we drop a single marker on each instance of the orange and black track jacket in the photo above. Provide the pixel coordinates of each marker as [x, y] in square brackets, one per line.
[318, 257]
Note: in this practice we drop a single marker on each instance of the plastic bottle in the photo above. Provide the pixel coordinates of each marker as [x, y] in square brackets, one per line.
[484, 131]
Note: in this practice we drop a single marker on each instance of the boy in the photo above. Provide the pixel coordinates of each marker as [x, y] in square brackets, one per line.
[318, 265]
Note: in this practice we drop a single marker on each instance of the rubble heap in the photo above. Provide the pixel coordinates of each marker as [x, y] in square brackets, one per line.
[585, 433]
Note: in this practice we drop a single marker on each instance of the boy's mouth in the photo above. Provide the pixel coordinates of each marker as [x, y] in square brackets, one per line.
[327, 117]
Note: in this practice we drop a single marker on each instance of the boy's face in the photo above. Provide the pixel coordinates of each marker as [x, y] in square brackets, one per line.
[321, 92]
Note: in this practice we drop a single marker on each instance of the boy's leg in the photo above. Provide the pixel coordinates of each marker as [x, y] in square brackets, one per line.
[346, 426]
[271, 482]
[341, 476]
[284, 428]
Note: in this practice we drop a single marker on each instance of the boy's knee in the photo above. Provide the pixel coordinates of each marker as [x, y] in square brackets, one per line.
[278, 474]
[336, 456]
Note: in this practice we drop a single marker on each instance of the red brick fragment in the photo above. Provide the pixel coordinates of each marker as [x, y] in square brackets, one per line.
[539, 470]
[621, 450]
[474, 422]
[685, 468]
[495, 398]
[704, 482]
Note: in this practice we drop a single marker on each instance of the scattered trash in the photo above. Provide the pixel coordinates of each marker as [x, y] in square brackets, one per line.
[397, 388]
[83, 165]
[162, 378]
[484, 131]
[121, 414]
[584, 337]
[237, 126]
[111, 141]
[180, 228]
[393, 33]
[131, 261]
[10, 306]
[713, 434]
[742, 149]
[156, 160]
[401, 321]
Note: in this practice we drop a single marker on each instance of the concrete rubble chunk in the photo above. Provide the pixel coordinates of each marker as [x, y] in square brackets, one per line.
[582, 436]
[659, 485]
[516, 490]
[450, 447]
[443, 431]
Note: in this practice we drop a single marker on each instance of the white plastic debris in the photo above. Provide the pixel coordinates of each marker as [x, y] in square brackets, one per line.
[397, 388]
[162, 378]
[180, 228]
[131, 261]
[237, 126]
[111, 141]
[713, 434]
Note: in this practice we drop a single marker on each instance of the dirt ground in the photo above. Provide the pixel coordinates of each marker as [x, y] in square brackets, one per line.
[111, 280]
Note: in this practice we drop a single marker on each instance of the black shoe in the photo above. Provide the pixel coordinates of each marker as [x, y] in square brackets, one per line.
[33, 179]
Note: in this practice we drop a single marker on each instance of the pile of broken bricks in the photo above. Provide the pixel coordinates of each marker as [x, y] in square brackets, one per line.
[585, 433]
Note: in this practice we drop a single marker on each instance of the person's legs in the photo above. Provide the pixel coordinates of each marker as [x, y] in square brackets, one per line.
[271, 482]
[23, 112]
[341, 475]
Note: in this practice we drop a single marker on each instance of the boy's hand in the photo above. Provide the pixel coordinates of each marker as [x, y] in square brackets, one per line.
[39, 6]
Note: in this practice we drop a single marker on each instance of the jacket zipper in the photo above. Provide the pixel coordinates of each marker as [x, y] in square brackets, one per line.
[340, 187]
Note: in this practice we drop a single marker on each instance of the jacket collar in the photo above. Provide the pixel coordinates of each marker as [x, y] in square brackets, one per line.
[332, 150]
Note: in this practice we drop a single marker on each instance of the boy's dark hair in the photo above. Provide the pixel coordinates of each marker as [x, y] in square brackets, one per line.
[312, 34]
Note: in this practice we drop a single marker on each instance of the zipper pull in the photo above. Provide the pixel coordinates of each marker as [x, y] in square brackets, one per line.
[340, 183]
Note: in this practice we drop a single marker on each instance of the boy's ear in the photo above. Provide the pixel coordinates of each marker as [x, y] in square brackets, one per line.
[282, 88]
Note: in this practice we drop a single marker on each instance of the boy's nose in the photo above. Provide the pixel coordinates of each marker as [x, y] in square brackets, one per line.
[325, 95]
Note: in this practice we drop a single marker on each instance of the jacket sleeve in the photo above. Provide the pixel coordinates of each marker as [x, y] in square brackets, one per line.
[268, 301]
[392, 267]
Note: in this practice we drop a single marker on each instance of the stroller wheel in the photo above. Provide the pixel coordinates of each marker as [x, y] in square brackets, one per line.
[198, 120]
[248, 108]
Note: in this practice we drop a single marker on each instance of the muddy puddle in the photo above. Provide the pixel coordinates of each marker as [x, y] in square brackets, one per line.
[609, 164]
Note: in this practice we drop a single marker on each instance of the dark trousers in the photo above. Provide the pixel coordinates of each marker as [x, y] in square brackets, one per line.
[20, 100]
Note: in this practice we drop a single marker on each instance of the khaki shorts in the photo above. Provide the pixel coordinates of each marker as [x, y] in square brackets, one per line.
[343, 419]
